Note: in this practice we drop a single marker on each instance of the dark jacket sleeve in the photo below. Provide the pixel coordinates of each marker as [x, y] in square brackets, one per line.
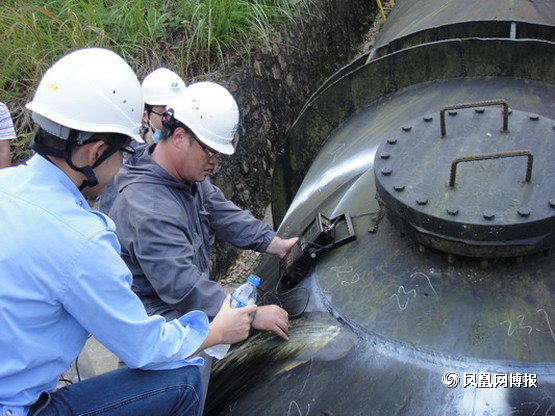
[233, 224]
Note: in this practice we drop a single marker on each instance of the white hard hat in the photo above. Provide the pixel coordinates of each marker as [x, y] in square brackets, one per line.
[161, 86]
[211, 112]
[91, 90]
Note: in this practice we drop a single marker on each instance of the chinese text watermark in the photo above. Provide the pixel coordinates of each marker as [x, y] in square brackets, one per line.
[490, 381]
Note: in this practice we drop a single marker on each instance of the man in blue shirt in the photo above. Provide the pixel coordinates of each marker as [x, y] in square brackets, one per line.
[61, 276]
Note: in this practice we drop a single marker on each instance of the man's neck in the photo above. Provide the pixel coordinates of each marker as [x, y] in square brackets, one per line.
[161, 154]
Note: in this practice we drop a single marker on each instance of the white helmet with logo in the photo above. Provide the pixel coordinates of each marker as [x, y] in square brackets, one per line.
[161, 86]
[92, 90]
[211, 112]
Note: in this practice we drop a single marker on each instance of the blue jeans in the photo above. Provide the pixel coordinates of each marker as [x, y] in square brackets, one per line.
[125, 392]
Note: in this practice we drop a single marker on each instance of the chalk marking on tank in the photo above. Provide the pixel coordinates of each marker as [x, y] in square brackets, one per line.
[294, 403]
[537, 407]
[355, 279]
[422, 274]
[401, 289]
[511, 330]
[548, 323]
[520, 325]
[412, 292]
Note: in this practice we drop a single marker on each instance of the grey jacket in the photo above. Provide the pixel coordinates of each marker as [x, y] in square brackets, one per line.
[166, 230]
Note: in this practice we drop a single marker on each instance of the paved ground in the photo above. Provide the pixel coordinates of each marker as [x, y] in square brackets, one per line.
[101, 360]
[94, 359]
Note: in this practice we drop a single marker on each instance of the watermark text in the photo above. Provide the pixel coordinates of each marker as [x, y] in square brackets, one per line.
[490, 380]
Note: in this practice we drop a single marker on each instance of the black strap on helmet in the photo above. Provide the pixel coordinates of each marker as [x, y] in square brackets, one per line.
[170, 123]
[90, 178]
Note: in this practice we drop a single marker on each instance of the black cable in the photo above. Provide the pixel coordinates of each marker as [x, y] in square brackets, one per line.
[65, 380]
[77, 368]
[269, 298]
[313, 249]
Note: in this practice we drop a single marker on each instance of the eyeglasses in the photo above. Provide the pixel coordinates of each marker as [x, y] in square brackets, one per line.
[127, 149]
[210, 152]
[172, 124]
[125, 146]
[157, 113]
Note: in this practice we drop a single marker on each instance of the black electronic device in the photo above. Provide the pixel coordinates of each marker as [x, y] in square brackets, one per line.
[321, 235]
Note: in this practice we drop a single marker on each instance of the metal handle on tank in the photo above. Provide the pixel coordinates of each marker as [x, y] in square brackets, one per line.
[454, 163]
[501, 102]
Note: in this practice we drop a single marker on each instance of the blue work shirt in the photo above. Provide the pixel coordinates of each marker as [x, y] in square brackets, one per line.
[61, 279]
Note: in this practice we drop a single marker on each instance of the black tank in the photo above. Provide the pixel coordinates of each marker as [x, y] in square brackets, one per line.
[430, 161]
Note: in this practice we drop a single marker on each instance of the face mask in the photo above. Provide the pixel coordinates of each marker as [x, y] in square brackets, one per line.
[156, 135]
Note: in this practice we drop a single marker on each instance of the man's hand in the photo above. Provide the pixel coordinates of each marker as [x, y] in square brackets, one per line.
[280, 247]
[272, 318]
[230, 325]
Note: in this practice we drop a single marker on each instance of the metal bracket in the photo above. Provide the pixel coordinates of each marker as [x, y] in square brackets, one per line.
[320, 236]
[526, 153]
[501, 102]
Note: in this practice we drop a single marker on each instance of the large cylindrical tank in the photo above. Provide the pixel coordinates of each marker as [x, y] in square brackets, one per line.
[439, 145]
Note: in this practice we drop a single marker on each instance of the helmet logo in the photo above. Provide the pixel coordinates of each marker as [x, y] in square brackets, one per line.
[174, 86]
[53, 86]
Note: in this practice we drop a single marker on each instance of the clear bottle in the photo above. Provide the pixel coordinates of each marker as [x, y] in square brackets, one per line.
[242, 296]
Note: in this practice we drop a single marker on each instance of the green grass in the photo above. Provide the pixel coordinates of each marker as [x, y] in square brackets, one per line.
[193, 37]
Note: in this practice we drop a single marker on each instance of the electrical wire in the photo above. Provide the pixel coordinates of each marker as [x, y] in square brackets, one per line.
[77, 368]
[286, 300]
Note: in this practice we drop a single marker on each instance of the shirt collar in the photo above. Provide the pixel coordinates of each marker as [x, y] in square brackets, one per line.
[52, 172]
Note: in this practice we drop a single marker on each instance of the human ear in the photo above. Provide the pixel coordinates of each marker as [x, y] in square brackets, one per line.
[86, 154]
[93, 151]
[179, 137]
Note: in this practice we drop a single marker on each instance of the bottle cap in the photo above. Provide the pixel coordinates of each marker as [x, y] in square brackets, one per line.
[254, 280]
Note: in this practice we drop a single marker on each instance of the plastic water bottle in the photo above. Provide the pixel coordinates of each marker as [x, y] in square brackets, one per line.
[246, 293]
[242, 296]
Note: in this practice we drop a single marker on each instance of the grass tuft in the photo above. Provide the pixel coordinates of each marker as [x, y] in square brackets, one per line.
[193, 37]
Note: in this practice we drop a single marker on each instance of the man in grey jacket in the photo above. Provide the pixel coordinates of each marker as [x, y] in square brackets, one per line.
[167, 214]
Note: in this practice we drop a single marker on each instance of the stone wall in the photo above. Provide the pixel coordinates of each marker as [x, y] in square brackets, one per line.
[271, 89]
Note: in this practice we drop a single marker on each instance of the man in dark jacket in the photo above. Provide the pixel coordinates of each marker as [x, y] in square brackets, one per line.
[168, 215]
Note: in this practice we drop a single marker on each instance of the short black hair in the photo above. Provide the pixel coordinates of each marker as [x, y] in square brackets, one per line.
[44, 138]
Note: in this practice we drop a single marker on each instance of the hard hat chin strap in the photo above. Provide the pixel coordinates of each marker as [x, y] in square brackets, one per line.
[90, 177]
